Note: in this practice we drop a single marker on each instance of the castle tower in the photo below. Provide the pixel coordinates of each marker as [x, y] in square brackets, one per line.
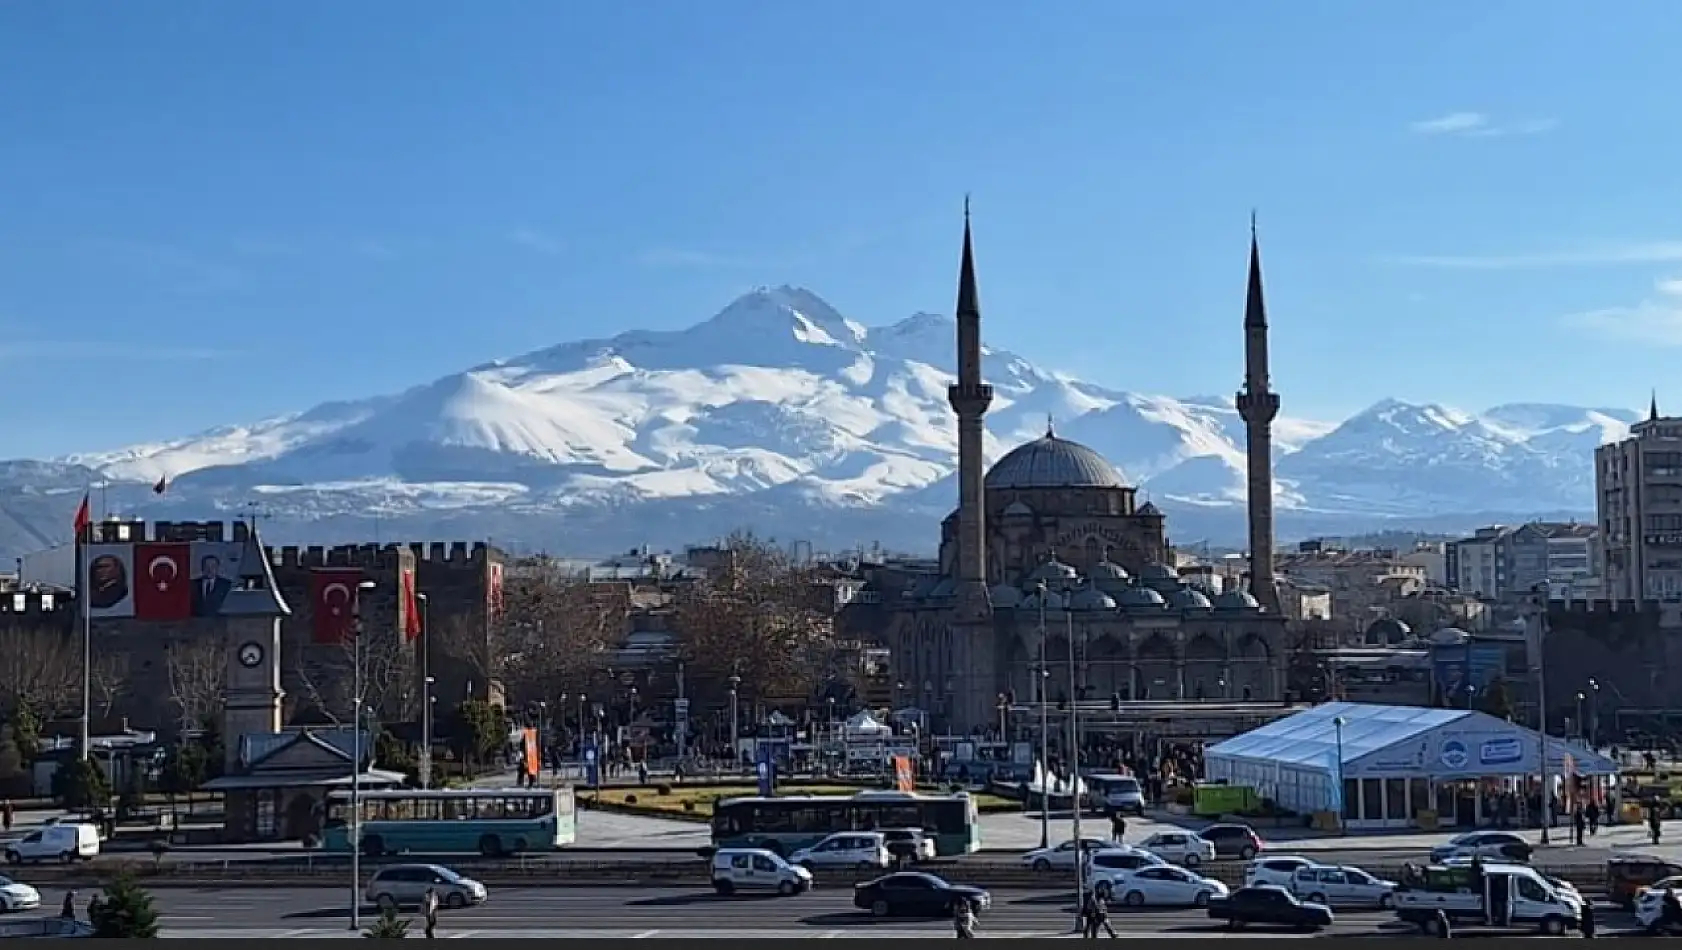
[970, 398]
[1258, 404]
[251, 618]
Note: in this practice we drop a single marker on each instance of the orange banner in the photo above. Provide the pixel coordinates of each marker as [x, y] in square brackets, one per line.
[534, 762]
[905, 778]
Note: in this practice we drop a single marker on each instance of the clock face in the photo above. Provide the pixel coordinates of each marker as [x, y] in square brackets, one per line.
[251, 654]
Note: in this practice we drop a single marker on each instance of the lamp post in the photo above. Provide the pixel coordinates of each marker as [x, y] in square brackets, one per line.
[735, 727]
[1074, 754]
[356, 758]
[1594, 714]
[582, 728]
[1045, 732]
[426, 690]
[1582, 724]
[542, 740]
[1004, 723]
[1342, 809]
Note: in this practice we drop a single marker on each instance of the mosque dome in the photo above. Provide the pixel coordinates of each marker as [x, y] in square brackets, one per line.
[1054, 573]
[1005, 596]
[1110, 576]
[1141, 598]
[1189, 598]
[1050, 462]
[1236, 600]
[1091, 598]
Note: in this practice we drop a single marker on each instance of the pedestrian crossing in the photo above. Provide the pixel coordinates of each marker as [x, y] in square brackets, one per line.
[870, 932]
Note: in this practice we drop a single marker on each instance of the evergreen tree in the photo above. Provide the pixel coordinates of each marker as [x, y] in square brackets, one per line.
[80, 784]
[388, 927]
[125, 910]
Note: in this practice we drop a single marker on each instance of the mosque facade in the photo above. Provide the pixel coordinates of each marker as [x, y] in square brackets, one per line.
[1050, 557]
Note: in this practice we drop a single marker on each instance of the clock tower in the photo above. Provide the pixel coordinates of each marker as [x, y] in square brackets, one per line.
[250, 619]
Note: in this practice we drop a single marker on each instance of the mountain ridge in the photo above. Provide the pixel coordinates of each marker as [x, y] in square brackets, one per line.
[782, 408]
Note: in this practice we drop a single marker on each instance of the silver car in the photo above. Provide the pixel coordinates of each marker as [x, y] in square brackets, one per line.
[404, 885]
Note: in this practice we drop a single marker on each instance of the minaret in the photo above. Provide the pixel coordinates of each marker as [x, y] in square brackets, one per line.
[1258, 404]
[970, 398]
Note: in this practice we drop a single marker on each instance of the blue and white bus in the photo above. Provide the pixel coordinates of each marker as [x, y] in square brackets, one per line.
[488, 821]
[787, 824]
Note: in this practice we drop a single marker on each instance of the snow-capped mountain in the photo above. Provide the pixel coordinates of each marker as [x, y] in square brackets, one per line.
[783, 414]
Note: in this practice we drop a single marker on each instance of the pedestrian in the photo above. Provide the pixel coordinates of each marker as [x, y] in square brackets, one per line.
[1118, 825]
[1100, 918]
[6, 814]
[94, 905]
[1587, 921]
[1592, 813]
[429, 911]
[963, 919]
[1444, 930]
[1579, 825]
[69, 910]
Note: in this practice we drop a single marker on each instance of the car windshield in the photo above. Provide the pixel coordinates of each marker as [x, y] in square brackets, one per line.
[449, 876]
[1127, 785]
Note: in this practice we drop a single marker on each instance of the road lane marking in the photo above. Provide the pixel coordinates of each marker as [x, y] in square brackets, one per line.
[645, 935]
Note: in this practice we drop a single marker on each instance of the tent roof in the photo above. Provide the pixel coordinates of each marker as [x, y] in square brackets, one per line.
[1310, 737]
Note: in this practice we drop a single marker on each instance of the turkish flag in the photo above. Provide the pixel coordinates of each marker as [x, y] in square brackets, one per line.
[333, 597]
[411, 608]
[162, 589]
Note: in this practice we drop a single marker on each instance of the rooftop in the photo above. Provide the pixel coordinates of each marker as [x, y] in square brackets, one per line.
[1311, 737]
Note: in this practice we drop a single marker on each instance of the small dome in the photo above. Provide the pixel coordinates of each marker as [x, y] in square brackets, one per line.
[1189, 598]
[1387, 631]
[1005, 596]
[1158, 571]
[1236, 600]
[1041, 599]
[1054, 573]
[1110, 577]
[1050, 462]
[1141, 598]
[1149, 510]
[1018, 509]
[1091, 598]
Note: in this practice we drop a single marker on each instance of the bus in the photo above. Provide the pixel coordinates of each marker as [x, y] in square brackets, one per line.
[787, 824]
[489, 821]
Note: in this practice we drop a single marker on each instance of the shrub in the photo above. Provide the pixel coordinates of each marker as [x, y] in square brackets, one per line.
[388, 927]
[124, 911]
[662, 789]
[630, 799]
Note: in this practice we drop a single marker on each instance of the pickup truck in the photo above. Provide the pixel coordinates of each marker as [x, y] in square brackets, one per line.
[1269, 904]
[1511, 896]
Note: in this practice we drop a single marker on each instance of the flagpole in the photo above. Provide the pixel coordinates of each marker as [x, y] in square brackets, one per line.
[87, 636]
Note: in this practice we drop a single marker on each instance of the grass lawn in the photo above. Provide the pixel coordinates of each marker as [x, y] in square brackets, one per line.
[700, 798]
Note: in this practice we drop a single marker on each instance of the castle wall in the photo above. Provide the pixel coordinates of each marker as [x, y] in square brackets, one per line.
[1632, 649]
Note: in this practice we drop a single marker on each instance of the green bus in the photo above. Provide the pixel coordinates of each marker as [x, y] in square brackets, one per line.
[787, 824]
[489, 821]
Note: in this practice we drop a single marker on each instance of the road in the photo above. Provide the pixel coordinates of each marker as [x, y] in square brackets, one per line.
[623, 912]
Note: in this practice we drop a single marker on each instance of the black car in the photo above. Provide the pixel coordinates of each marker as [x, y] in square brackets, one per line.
[914, 894]
[1233, 841]
[1266, 904]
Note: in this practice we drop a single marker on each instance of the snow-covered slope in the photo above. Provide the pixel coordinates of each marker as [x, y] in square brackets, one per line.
[780, 402]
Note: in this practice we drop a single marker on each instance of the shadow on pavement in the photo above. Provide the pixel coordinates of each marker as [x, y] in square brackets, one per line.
[860, 918]
[699, 897]
[323, 913]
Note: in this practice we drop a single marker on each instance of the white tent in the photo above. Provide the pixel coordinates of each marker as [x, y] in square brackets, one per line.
[863, 724]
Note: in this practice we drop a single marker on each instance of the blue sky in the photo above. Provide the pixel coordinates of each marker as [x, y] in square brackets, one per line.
[213, 211]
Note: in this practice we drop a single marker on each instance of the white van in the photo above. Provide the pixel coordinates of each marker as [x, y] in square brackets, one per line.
[865, 850]
[755, 869]
[61, 842]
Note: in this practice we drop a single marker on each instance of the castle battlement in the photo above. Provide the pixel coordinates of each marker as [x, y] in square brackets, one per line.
[1592, 608]
[382, 557]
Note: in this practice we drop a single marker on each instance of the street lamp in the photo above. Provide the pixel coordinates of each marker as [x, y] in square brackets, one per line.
[426, 690]
[735, 732]
[1594, 713]
[1045, 731]
[1342, 808]
[356, 758]
[1074, 753]
[542, 742]
[1582, 724]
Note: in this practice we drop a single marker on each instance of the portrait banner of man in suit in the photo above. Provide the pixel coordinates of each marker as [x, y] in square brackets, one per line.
[215, 573]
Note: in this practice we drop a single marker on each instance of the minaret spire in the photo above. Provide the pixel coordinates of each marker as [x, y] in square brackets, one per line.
[1653, 407]
[1258, 405]
[970, 398]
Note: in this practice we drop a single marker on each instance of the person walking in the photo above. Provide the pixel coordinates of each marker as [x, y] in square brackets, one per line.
[1097, 917]
[429, 911]
[1587, 922]
[68, 911]
[963, 919]
[7, 815]
[1118, 826]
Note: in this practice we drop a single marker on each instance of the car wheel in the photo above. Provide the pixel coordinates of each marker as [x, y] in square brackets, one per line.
[12, 857]
[1430, 928]
[67, 857]
[1553, 926]
[1201, 900]
[1192, 860]
[373, 846]
[456, 901]
[490, 846]
[1042, 865]
[786, 888]
[1387, 902]
[1133, 899]
[1317, 898]
[879, 908]
[1246, 853]
[724, 888]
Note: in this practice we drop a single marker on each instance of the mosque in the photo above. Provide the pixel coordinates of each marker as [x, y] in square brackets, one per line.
[1049, 551]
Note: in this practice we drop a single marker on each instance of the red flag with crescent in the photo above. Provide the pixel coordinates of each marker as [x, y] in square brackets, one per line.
[162, 589]
[411, 608]
[333, 596]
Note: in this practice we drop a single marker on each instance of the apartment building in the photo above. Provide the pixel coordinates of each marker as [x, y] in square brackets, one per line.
[1504, 561]
[1638, 507]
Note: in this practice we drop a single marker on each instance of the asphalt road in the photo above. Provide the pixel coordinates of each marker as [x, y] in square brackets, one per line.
[315, 911]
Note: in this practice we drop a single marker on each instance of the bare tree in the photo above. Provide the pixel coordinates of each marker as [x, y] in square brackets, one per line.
[197, 676]
[553, 635]
[762, 618]
[40, 669]
[110, 681]
[327, 677]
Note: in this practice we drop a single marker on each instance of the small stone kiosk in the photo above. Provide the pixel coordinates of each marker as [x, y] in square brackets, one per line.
[274, 780]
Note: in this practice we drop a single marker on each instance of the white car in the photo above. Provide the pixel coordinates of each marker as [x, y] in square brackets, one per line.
[15, 897]
[1108, 870]
[1062, 857]
[1342, 886]
[1164, 885]
[1483, 844]
[1278, 871]
[1180, 847]
[864, 850]
[1649, 907]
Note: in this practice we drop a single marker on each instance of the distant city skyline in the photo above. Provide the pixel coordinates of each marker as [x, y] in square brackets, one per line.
[207, 226]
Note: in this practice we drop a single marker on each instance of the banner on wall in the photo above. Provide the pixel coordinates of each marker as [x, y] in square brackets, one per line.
[215, 574]
[163, 588]
[108, 580]
[533, 760]
[333, 603]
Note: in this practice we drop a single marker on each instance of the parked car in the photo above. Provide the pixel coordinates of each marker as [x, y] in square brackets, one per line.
[1483, 844]
[757, 869]
[16, 896]
[1164, 885]
[1343, 886]
[1279, 870]
[1106, 870]
[1268, 904]
[845, 849]
[1062, 857]
[1180, 847]
[1628, 875]
[1233, 841]
[61, 842]
[915, 894]
[403, 885]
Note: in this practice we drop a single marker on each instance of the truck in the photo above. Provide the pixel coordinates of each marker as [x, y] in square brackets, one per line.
[1509, 896]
